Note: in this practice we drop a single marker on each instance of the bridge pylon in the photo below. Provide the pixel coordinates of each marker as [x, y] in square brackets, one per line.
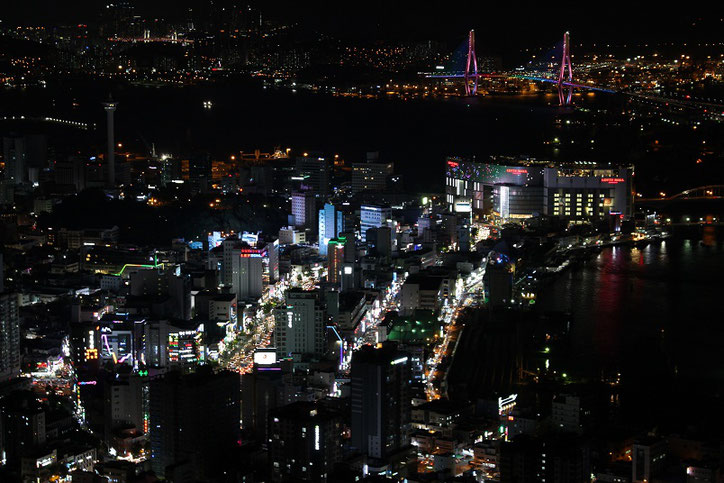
[471, 67]
[565, 93]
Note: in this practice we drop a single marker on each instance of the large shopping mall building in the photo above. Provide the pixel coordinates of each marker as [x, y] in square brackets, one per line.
[512, 188]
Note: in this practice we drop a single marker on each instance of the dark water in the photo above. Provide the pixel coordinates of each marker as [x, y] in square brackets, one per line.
[416, 135]
[654, 314]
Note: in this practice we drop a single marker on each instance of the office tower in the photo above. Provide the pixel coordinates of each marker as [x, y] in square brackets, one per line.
[200, 170]
[649, 458]
[262, 390]
[566, 413]
[340, 261]
[22, 420]
[330, 225]
[270, 262]
[499, 279]
[381, 239]
[9, 336]
[373, 216]
[166, 288]
[314, 173]
[304, 209]
[25, 155]
[335, 259]
[126, 403]
[110, 108]
[242, 269]
[288, 235]
[71, 171]
[305, 442]
[560, 458]
[372, 175]
[194, 420]
[380, 392]
[15, 155]
[300, 326]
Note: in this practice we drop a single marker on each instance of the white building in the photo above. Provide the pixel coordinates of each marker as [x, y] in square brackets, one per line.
[373, 216]
[300, 326]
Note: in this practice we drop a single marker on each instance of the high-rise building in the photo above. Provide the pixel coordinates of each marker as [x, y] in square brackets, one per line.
[649, 458]
[331, 224]
[305, 442]
[110, 108]
[552, 459]
[300, 326]
[373, 216]
[304, 209]
[242, 269]
[499, 279]
[337, 248]
[194, 419]
[9, 336]
[270, 262]
[126, 403]
[380, 400]
[262, 390]
[22, 420]
[166, 286]
[314, 173]
[372, 175]
[15, 155]
[566, 413]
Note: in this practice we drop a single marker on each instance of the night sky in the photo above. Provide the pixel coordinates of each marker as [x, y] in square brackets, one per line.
[504, 25]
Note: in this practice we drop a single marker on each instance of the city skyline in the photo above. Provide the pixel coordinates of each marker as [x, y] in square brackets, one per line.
[385, 241]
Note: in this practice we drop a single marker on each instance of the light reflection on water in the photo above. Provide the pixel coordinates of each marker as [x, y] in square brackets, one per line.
[646, 311]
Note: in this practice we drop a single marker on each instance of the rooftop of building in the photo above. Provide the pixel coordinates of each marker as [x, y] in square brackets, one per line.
[425, 281]
[304, 411]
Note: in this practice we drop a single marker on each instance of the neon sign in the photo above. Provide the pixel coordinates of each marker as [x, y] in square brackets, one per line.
[453, 164]
[517, 171]
[612, 180]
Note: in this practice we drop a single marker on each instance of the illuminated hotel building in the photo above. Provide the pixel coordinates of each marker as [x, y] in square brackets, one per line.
[576, 191]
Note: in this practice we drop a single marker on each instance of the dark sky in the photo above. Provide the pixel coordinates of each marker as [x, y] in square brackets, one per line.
[510, 23]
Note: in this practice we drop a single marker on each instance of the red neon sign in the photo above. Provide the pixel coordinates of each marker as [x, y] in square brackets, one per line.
[453, 164]
[517, 170]
[612, 180]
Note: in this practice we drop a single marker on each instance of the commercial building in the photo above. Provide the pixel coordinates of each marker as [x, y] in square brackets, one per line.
[421, 292]
[373, 216]
[331, 223]
[372, 175]
[291, 236]
[242, 269]
[300, 326]
[649, 458]
[499, 279]
[380, 400]
[126, 402]
[9, 336]
[512, 189]
[194, 418]
[566, 413]
[305, 442]
[304, 209]
[340, 261]
[313, 173]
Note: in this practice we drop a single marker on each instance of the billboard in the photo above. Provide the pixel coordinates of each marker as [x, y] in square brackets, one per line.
[265, 357]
